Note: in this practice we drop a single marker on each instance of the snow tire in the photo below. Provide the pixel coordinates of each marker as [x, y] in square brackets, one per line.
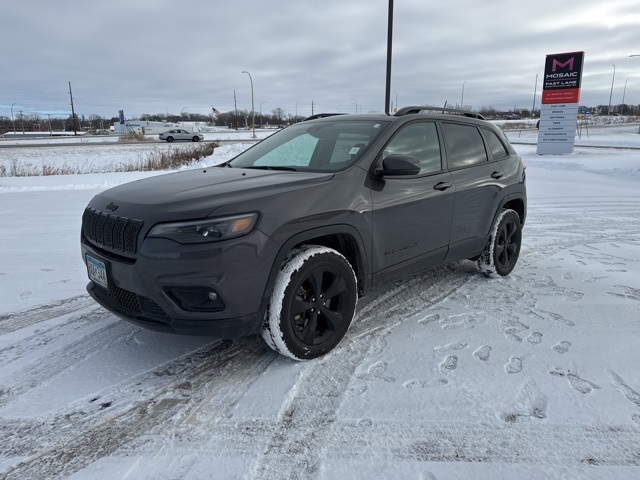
[312, 304]
[503, 248]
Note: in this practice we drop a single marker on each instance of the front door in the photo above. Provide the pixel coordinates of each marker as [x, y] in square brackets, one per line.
[412, 215]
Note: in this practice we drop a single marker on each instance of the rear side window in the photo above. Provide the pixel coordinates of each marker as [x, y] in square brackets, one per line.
[497, 148]
[464, 145]
[419, 140]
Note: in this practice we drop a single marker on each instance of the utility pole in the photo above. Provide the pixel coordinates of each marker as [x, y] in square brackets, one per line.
[73, 113]
[311, 107]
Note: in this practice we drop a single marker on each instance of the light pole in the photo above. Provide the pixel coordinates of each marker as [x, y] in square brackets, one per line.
[624, 92]
[611, 94]
[535, 90]
[396, 99]
[356, 102]
[12, 121]
[181, 118]
[387, 93]
[462, 97]
[262, 103]
[253, 110]
[636, 56]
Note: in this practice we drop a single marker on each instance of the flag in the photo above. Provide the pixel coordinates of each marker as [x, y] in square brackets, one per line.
[215, 112]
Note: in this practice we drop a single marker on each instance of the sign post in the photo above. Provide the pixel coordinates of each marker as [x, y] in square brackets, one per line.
[560, 97]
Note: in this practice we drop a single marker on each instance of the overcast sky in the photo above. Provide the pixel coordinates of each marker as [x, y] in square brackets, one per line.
[146, 56]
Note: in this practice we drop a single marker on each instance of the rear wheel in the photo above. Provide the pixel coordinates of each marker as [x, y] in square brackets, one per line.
[312, 304]
[503, 249]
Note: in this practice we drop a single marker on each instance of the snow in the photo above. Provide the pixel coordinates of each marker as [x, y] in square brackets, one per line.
[445, 375]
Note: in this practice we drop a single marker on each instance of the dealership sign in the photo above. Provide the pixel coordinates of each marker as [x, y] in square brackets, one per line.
[560, 97]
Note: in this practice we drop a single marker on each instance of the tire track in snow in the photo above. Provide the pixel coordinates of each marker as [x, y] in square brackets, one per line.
[530, 443]
[39, 360]
[198, 377]
[292, 455]
[111, 424]
[10, 322]
[305, 427]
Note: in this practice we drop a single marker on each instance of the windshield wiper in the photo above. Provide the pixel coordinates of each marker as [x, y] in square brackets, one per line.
[273, 167]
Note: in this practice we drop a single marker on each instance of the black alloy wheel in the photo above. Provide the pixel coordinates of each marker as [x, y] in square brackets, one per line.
[507, 242]
[312, 305]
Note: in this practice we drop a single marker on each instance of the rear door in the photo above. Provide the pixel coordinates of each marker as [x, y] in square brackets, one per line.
[478, 180]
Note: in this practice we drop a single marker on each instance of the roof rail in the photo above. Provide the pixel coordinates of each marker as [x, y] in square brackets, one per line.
[418, 109]
[322, 115]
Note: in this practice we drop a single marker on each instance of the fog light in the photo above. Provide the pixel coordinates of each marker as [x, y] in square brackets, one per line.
[196, 299]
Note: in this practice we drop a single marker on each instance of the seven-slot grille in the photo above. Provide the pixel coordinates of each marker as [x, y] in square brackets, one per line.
[116, 233]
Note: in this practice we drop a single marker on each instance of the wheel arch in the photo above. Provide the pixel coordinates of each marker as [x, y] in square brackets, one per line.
[344, 239]
[516, 203]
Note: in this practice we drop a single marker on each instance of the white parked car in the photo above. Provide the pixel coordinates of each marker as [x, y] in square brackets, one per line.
[179, 134]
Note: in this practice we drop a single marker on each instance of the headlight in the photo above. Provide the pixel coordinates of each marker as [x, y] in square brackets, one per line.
[207, 229]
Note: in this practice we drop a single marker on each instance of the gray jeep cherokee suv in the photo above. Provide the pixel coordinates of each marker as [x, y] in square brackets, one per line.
[283, 239]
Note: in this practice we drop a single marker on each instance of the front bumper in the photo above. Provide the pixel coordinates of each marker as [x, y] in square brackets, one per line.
[141, 288]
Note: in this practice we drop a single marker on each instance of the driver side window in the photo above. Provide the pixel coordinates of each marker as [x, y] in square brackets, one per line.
[419, 140]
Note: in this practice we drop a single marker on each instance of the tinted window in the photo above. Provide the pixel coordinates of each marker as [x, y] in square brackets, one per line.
[419, 140]
[495, 145]
[464, 145]
[348, 147]
[314, 146]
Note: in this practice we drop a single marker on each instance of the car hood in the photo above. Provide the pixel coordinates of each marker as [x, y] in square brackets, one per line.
[197, 193]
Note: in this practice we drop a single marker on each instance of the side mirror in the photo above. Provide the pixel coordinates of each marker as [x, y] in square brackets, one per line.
[399, 165]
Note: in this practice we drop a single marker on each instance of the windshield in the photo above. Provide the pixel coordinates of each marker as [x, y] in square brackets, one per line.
[324, 146]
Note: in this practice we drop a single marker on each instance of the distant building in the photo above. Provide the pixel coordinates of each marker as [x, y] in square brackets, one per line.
[146, 127]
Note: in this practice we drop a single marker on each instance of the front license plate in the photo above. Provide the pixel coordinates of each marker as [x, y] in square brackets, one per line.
[97, 271]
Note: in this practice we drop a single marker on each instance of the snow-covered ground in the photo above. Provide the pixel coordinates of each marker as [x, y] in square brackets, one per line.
[446, 375]
[221, 134]
[97, 154]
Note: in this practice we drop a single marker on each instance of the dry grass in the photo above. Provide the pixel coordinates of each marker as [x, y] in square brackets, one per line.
[134, 137]
[172, 159]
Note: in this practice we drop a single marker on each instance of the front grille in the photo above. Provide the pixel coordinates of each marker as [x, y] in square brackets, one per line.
[116, 233]
[132, 303]
[121, 297]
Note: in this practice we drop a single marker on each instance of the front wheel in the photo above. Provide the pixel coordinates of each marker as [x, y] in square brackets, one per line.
[503, 249]
[169, 139]
[196, 139]
[312, 305]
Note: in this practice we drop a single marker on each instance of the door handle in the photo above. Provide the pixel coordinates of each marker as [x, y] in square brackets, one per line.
[442, 186]
[497, 175]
